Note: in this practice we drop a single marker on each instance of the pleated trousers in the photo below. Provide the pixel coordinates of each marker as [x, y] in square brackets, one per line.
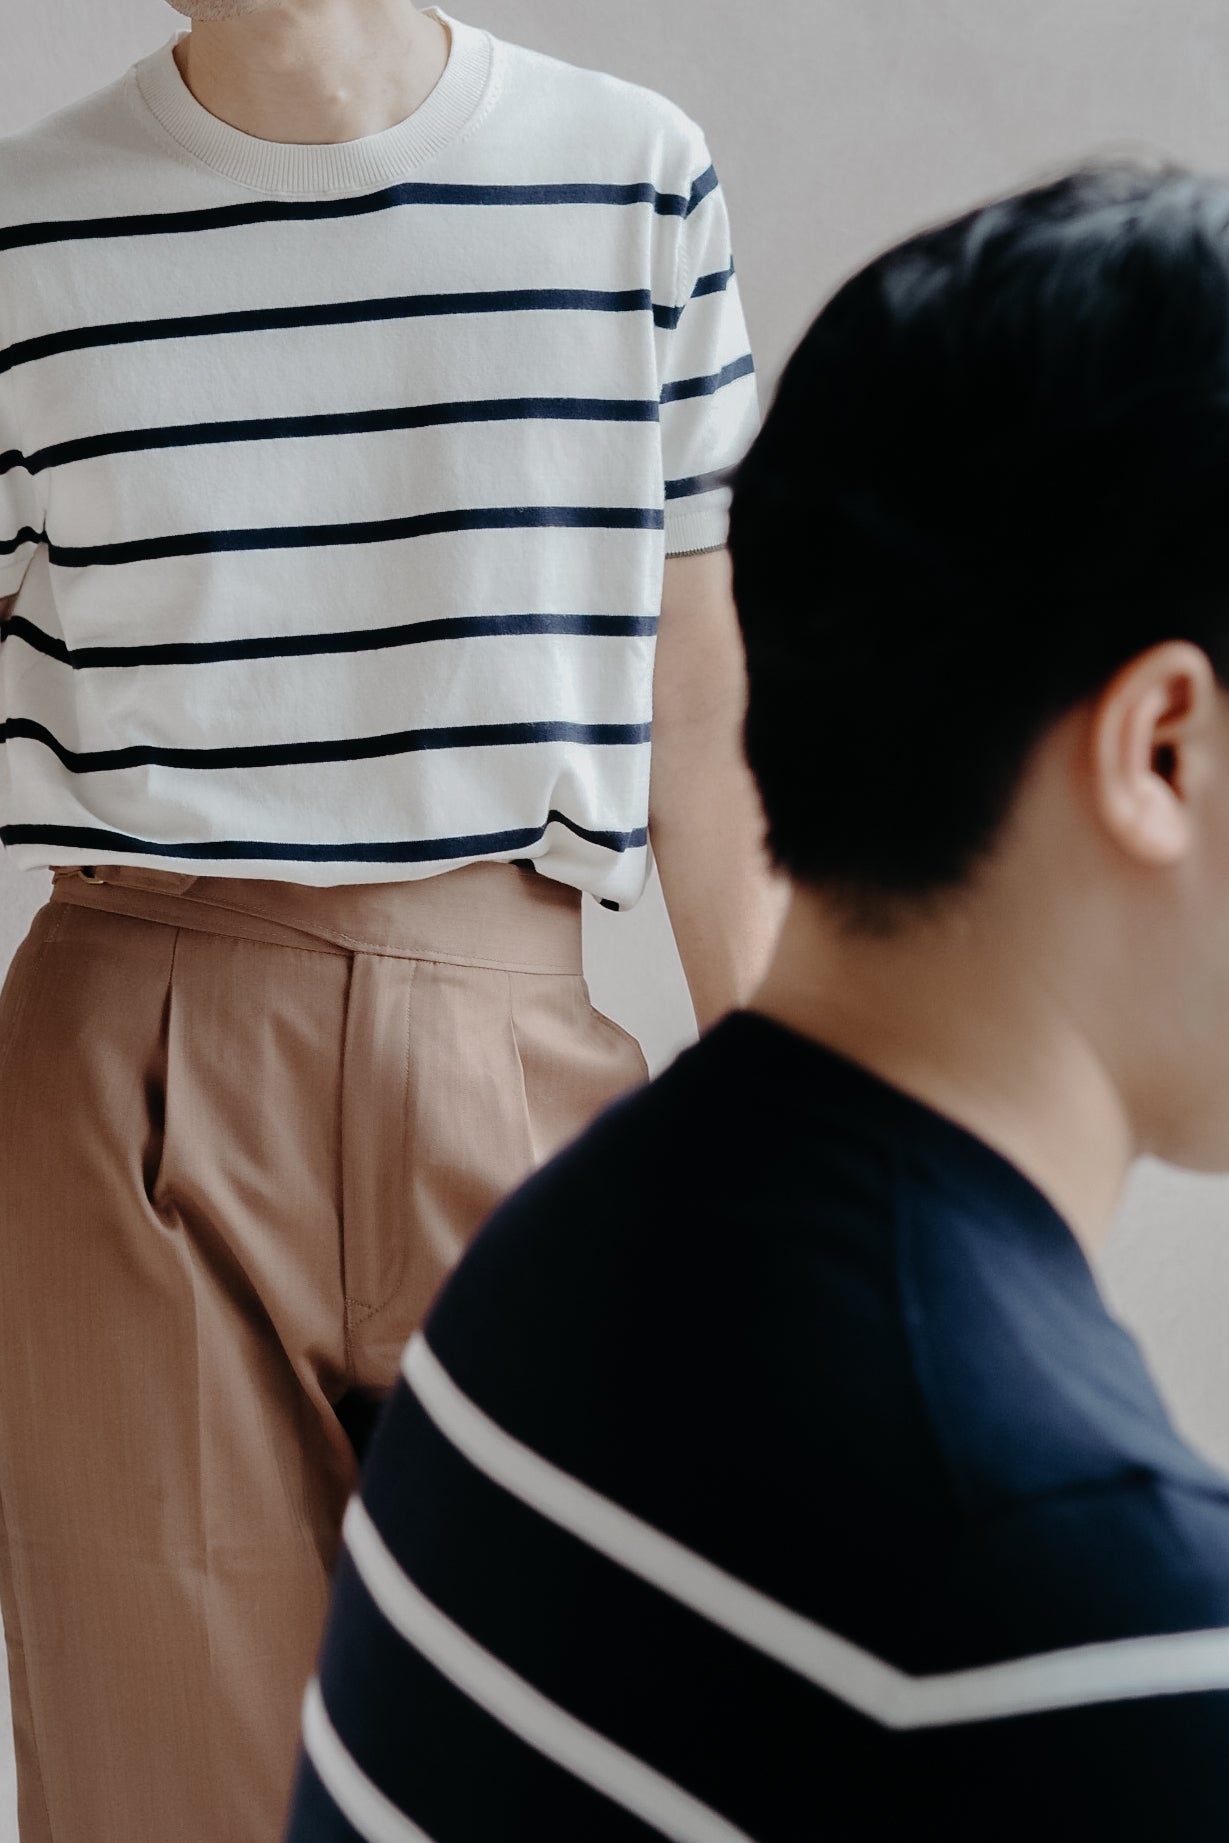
[246, 1128]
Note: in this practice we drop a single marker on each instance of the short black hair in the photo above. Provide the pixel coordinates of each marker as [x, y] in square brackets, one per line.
[996, 470]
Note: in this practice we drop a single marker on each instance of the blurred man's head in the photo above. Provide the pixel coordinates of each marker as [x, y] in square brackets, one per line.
[981, 555]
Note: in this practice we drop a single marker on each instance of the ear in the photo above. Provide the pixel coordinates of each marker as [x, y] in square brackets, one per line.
[1152, 738]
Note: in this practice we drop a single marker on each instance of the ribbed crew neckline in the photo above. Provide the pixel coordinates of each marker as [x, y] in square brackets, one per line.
[327, 166]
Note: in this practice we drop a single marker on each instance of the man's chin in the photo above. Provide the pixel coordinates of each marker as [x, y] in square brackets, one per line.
[216, 9]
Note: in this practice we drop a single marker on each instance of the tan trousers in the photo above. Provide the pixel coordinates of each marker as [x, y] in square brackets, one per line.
[245, 1130]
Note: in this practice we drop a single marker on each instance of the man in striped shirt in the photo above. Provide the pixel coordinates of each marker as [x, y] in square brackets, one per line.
[771, 1468]
[368, 388]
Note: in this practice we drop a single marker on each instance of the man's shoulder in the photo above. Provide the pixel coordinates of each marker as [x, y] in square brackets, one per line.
[657, 1183]
[616, 1173]
[709, 1254]
[710, 1145]
[612, 113]
[66, 164]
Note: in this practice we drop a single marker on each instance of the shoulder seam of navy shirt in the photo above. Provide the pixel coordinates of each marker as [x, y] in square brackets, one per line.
[336, 481]
[775, 1436]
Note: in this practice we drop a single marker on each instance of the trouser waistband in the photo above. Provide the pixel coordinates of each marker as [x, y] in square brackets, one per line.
[479, 915]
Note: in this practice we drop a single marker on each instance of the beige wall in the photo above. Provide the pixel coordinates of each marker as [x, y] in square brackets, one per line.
[837, 125]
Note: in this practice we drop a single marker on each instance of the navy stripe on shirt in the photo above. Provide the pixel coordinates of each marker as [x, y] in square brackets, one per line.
[684, 388]
[342, 749]
[228, 217]
[715, 283]
[367, 422]
[293, 646]
[330, 313]
[356, 422]
[699, 483]
[364, 531]
[27, 535]
[96, 840]
[353, 313]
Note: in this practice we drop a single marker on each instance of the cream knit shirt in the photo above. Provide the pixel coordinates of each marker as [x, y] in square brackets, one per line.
[336, 480]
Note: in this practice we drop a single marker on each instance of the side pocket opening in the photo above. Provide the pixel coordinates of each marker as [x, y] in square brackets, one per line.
[155, 1089]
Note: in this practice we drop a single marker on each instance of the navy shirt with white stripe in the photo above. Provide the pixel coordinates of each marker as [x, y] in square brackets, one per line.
[771, 1468]
[336, 481]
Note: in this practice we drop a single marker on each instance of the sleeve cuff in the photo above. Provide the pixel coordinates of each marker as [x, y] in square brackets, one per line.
[699, 528]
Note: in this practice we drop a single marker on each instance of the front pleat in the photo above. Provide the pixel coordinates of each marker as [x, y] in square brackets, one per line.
[521, 1088]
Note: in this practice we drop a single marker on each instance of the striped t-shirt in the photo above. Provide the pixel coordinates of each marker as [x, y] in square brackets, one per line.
[336, 481]
[771, 1471]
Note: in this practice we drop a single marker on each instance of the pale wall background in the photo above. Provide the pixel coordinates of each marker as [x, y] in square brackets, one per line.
[837, 125]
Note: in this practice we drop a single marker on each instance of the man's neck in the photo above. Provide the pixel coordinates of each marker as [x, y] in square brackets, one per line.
[950, 1017]
[330, 72]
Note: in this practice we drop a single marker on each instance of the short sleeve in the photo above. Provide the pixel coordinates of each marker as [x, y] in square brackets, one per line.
[709, 405]
[21, 516]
